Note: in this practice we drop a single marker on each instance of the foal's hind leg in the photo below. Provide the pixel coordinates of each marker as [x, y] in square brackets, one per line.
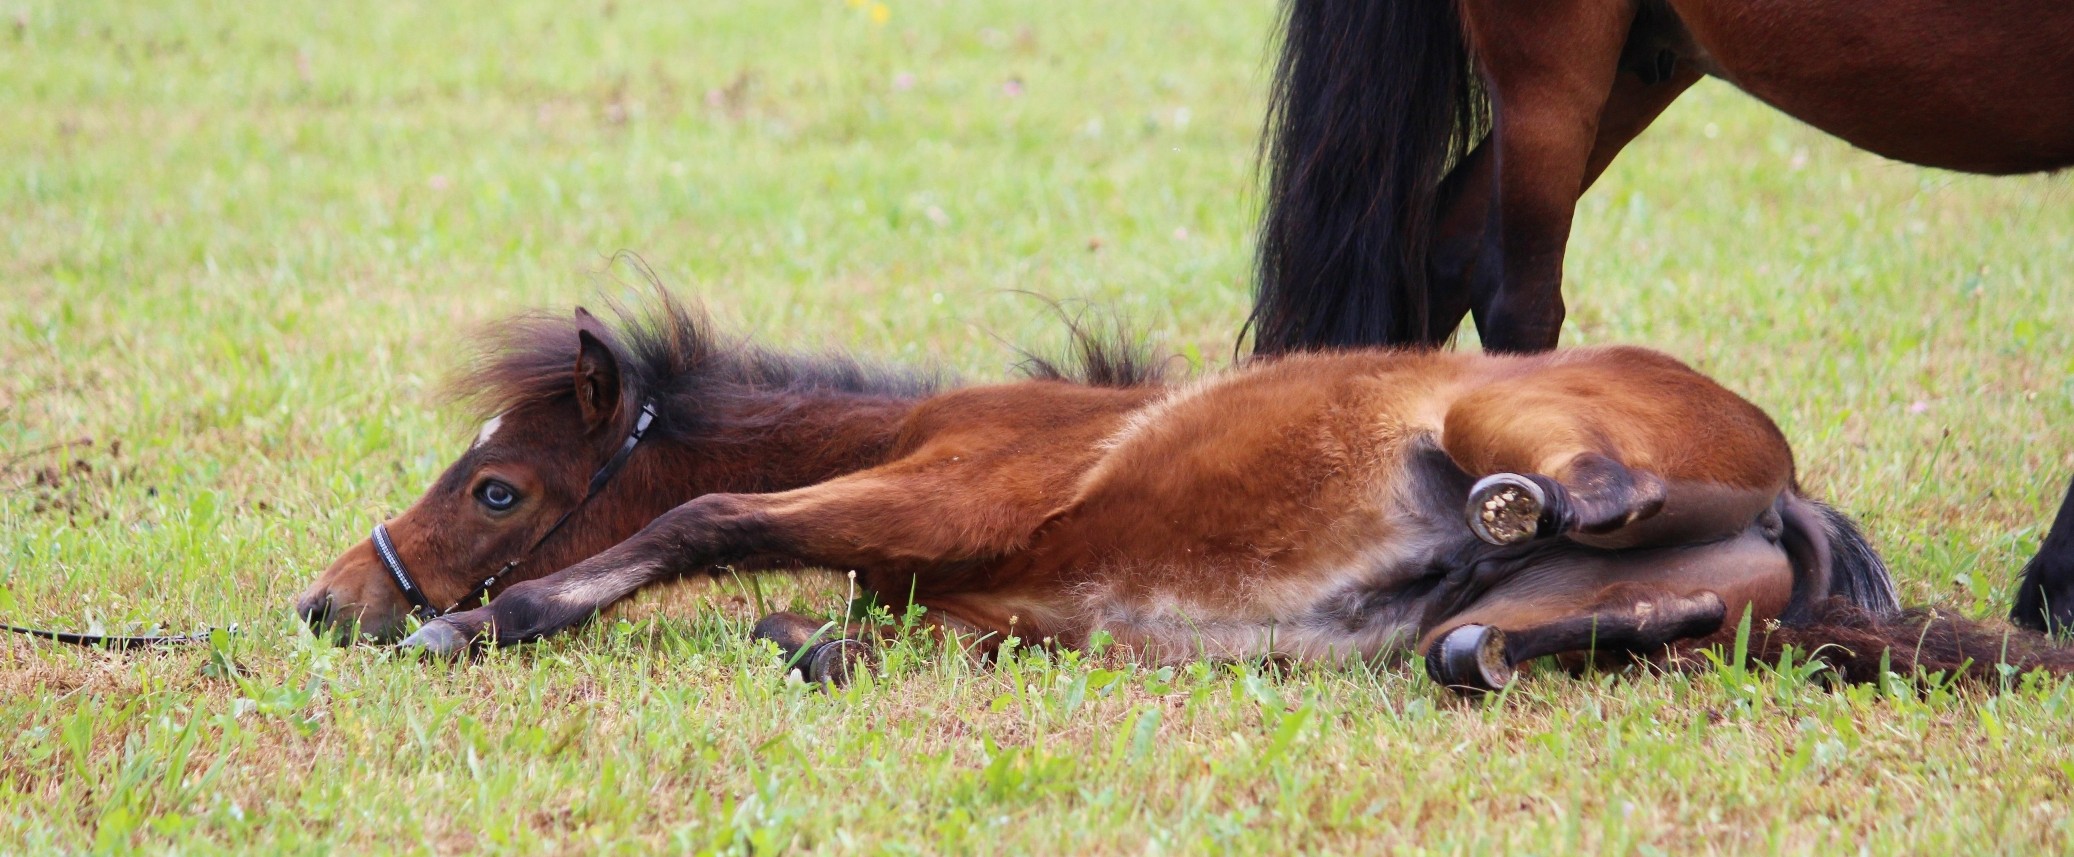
[823, 652]
[1618, 449]
[1571, 599]
[1596, 495]
[1475, 658]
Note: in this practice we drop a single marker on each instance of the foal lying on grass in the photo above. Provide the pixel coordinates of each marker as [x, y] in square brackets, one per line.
[1477, 510]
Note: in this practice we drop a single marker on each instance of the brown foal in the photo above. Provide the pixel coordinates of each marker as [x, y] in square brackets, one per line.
[1480, 510]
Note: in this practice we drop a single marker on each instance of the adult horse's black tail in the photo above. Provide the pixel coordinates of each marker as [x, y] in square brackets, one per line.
[1373, 100]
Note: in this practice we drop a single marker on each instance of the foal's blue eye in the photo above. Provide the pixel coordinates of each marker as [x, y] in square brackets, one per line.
[496, 496]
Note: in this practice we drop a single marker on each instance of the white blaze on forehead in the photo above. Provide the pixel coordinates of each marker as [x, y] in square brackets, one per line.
[488, 429]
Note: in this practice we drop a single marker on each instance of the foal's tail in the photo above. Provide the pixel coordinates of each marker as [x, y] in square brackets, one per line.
[1860, 646]
[1845, 613]
[1373, 101]
[1832, 559]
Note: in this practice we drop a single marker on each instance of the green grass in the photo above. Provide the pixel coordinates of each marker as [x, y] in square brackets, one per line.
[242, 246]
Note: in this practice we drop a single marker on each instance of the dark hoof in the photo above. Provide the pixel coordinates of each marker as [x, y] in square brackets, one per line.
[1505, 508]
[790, 631]
[1470, 660]
[438, 638]
[831, 662]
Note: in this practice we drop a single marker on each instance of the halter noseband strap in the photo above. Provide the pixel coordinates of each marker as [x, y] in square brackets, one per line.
[385, 547]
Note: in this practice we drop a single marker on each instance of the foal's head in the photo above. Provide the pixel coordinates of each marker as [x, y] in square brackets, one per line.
[564, 396]
[560, 398]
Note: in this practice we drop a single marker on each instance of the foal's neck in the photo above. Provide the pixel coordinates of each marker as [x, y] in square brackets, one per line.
[792, 441]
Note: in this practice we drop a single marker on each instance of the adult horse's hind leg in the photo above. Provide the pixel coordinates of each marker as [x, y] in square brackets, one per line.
[1571, 83]
[1461, 263]
[2045, 592]
[1550, 67]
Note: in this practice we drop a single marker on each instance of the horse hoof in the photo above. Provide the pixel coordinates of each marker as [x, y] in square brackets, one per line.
[1470, 660]
[790, 631]
[1505, 508]
[437, 638]
[830, 663]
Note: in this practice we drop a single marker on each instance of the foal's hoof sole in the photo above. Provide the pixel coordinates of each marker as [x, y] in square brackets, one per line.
[830, 663]
[437, 638]
[1505, 508]
[1470, 660]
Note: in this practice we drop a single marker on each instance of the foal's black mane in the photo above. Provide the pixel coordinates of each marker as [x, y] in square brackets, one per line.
[668, 352]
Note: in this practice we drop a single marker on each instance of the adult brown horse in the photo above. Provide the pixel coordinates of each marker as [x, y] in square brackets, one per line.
[1426, 156]
[1481, 510]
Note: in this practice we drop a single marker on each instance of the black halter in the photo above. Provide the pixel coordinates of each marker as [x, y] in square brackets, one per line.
[385, 548]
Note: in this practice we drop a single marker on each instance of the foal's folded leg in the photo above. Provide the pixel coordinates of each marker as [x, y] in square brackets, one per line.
[1476, 657]
[823, 652]
[1612, 470]
[1573, 599]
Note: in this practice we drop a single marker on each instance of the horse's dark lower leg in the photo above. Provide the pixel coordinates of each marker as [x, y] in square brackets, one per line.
[1478, 658]
[1561, 134]
[2045, 591]
[823, 652]
[1458, 240]
[1464, 226]
[830, 652]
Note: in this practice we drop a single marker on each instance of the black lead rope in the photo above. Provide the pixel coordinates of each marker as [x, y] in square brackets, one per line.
[385, 550]
[113, 641]
[392, 561]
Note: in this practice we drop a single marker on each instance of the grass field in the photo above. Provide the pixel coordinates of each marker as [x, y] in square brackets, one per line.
[243, 245]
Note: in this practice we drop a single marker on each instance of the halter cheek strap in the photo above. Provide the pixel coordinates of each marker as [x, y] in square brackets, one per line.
[385, 550]
[392, 562]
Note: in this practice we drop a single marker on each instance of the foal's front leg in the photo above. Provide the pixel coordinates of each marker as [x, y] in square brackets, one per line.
[829, 652]
[892, 521]
[712, 530]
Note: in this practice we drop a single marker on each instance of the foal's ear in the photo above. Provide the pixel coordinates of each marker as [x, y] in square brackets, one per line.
[597, 372]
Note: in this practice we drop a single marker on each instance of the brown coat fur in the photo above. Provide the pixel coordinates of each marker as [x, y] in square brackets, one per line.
[1309, 506]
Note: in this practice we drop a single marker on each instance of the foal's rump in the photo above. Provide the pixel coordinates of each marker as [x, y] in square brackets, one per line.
[1315, 507]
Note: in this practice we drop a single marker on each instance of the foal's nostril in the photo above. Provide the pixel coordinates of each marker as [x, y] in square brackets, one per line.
[316, 609]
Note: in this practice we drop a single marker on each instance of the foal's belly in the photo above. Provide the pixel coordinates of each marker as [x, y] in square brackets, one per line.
[1985, 88]
[1360, 586]
[1354, 611]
